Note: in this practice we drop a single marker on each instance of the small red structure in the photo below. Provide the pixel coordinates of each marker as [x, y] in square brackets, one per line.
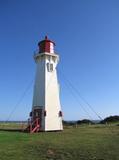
[46, 46]
[34, 123]
[34, 126]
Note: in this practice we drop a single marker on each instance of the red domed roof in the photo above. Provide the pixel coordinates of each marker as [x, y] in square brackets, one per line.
[46, 45]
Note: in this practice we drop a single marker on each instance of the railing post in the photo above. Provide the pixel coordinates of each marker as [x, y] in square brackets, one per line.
[30, 127]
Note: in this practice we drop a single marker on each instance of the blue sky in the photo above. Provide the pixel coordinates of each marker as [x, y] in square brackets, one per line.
[86, 34]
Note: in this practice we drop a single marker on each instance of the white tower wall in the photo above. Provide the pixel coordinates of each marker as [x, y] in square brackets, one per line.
[39, 86]
[53, 121]
[46, 91]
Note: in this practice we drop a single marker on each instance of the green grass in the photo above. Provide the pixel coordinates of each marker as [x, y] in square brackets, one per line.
[96, 142]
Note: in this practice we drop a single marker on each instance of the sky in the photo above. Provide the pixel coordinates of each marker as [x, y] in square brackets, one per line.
[86, 33]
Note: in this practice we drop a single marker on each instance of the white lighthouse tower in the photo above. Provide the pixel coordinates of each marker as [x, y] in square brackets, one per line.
[46, 114]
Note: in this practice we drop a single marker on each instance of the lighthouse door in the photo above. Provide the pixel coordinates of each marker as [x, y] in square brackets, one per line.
[37, 114]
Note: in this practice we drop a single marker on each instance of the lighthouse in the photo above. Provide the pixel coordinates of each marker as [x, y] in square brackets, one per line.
[46, 114]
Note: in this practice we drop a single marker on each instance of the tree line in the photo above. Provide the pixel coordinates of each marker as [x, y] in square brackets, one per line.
[110, 119]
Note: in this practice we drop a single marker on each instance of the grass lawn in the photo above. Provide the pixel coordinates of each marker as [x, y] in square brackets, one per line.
[96, 142]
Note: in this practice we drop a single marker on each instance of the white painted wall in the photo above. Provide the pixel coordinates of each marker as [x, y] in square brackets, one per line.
[46, 91]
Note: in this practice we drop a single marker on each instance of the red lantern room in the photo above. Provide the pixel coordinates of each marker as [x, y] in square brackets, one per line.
[46, 46]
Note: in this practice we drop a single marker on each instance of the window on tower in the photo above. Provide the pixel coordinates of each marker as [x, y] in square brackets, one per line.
[50, 67]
